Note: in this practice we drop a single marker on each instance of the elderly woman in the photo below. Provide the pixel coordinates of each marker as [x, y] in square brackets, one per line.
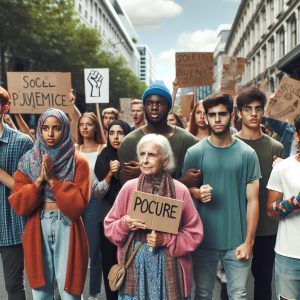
[164, 273]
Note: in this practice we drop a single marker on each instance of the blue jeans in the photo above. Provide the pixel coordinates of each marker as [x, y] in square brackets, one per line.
[92, 226]
[55, 242]
[205, 266]
[287, 277]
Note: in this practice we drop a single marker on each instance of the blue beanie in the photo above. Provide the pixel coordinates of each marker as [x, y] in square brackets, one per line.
[158, 88]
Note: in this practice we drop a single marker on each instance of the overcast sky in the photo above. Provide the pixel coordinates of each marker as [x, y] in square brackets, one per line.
[169, 26]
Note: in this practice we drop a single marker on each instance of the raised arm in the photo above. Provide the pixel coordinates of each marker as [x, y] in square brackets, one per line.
[74, 116]
[23, 127]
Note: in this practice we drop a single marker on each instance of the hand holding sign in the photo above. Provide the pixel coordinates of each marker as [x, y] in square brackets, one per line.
[134, 224]
[95, 80]
[155, 239]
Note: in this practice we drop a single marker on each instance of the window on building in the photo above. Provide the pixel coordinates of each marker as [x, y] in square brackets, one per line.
[257, 30]
[293, 32]
[263, 21]
[86, 14]
[281, 42]
[272, 51]
[258, 62]
[280, 6]
[264, 57]
[271, 11]
[79, 8]
[253, 68]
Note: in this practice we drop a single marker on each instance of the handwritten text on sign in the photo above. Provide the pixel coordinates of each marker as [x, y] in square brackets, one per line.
[34, 92]
[159, 213]
[285, 104]
[194, 68]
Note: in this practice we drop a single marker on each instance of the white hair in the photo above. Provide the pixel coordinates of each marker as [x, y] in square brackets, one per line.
[164, 148]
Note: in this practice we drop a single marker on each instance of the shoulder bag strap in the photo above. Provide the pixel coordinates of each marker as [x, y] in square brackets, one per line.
[132, 255]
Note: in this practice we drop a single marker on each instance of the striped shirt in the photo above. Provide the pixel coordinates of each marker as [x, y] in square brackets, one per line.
[13, 145]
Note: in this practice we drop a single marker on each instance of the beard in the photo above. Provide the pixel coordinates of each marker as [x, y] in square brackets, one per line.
[221, 132]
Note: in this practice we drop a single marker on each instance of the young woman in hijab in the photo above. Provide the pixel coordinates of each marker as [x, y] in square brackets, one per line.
[107, 169]
[91, 141]
[165, 272]
[52, 190]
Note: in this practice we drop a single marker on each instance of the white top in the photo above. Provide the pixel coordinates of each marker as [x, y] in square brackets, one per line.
[285, 179]
[91, 157]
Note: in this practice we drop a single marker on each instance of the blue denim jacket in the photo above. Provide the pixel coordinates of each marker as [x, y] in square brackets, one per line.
[284, 130]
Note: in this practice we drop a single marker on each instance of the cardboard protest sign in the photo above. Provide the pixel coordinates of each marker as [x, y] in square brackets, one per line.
[232, 68]
[34, 92]
[187, 104]
[285, 104]
[159, 213]
[125, 110]
[194, 68]
[96, 84]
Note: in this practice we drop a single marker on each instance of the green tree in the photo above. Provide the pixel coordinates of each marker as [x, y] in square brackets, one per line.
[46, 35]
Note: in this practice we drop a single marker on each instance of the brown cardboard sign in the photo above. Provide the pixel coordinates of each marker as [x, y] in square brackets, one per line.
[159, 213]
[34, 92]
[285, 104]
[194, 68]
[187, 104]
[125, 110]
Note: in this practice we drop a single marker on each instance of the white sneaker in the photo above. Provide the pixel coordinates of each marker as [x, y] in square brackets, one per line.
[92, 298]
[222, 276]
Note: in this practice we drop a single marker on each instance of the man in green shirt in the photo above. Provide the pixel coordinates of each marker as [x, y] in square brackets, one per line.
[251, 102]
[157, 102]
[227, 201]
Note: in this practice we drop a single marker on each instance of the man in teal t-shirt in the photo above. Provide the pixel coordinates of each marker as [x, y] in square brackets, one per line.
[227, 201]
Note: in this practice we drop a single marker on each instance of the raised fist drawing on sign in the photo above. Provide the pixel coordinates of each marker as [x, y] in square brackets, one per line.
[95, 80]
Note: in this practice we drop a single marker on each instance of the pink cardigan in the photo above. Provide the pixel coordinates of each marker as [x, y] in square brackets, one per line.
[179, 245]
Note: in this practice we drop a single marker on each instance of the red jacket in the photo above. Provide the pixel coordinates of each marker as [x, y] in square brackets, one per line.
[72, 198]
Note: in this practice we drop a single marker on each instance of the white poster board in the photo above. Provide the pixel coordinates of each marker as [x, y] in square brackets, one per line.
[96, 83]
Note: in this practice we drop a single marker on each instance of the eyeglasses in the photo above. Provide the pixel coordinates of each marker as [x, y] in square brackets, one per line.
[249, 109]
[221, 114]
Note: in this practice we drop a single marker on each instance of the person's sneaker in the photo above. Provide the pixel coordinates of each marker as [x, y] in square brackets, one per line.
[92, 298]
[222, 276]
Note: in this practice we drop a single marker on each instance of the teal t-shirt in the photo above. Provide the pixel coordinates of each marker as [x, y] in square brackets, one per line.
[227, 170]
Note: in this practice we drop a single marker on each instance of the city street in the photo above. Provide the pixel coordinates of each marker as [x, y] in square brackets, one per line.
[217, 289]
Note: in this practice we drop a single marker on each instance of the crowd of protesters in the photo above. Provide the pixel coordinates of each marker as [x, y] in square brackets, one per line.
[66, 190]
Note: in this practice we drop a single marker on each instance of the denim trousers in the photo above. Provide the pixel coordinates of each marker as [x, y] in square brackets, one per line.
[92, 228]
[204, 268]
[55, 242]
[287, 277]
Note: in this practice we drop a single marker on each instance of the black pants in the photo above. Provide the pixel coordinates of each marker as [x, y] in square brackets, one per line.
[262, 266]
[13, 269]
[109, 258]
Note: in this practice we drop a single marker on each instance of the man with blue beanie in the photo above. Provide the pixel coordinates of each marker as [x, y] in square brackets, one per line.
[157, 102]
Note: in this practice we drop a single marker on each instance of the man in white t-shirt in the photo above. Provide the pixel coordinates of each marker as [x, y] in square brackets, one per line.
[284, 203]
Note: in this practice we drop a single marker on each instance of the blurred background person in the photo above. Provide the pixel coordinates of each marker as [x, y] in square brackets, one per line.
[91, 141]
[107, 172]
[137, 113]
[174, 119]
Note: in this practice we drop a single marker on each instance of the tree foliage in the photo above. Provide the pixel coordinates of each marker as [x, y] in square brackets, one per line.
[46, 35]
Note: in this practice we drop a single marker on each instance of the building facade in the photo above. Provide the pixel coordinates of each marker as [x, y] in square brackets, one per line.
[223, 33]
[147, 72]
[117, 33]
[267, 34]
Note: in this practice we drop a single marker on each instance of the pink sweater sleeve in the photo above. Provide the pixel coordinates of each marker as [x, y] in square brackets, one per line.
[114, 224]
[190, 233]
